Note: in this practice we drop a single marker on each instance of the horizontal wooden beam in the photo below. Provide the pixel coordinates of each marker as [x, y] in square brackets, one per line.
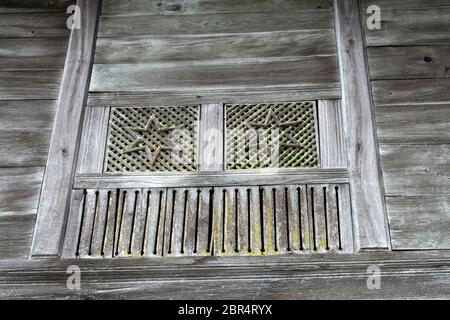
[216, 179]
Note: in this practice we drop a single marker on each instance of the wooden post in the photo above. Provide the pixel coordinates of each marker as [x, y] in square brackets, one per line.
[367, 192]
[59, 174]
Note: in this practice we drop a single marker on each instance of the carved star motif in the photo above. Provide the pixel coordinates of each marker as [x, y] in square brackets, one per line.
[138, 139]
[294, 143]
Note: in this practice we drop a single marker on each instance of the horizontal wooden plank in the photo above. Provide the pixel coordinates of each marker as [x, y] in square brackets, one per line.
[398, 157]
[13, 6]
[416, 183]
[205, 179]
[120, 26]
[412, 62]
[26, 54]
[419, 222]
[32, 25]
[423, 26]
[415, 124]
[411, 91]
[24, 147]
[19, 190]
[404, 275]
[177, 97]
[405, 4]
[27, 114]
[16, 232]
[152, 49]
[305, 72]
[28, 84]
[167, 7]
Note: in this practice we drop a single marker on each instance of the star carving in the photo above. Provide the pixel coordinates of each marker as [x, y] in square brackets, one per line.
[294, 143]
[138, 139]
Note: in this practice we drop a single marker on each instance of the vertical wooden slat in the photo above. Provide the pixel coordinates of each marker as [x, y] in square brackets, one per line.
[74, 223]
[57, 184]
[100, 223]
[191, 222]
[255, 221]
[230, 221]
[296, 234]
[283, 241]
[112, 215]
[365, 178]
[90, 212]
[316, 208]
[331, 134]
[268, 221]
[93, 140]
[139, 223]
[203, 221]
[345, 218]
[242, 220]
[211, 137]
[332, 219]
[218, 221]
[178, 222]
[155, 221]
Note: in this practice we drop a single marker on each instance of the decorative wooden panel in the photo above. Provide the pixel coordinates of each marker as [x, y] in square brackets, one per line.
[152, 139]
[271, 135]
[264, 220]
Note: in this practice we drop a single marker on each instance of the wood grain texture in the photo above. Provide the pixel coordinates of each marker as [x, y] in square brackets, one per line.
[406, 4]
[180, 7]
[27, 114]
[236, 74]
[32, 25]
[172, 48]
[29, 84]
[16, 232]
[411, 91]
[56, 188]
[91, 155]
[419, 222]
[331, 134]
[211, 137]
[406, 275]
[409, 62]
[425, 26]
[12, 6]
[119, 26]
[365, 179]
[19, 190]
[35, 54]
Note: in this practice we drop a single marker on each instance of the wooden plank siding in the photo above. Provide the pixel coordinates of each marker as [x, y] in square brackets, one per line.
[409, 64]
[214, 51]
[33, 37]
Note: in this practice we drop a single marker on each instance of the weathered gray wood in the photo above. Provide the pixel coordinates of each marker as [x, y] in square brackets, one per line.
[414, 124]
[91, 155]
[411, 91]
[427, 26]
[345, 218]
[331, 134]
[268, 219]
[36, 54]
[19, 190]
[299, 220]
[418, 223]
[90, 211]
[409, 62]
[99, 229]
[142, 25]
[16, 232]
[303, 73]
[239, 95]
[252, 197]
[165, 48]
[366, 184]
[211, 137]
[27, 114]
[29, 84]
[174, 224]
[415, 183]
[74, 223]
[156, 208]
[24, 147]
[190, 240]
[63, 147]
[252, 178]
[406, 4]
[130, 205]
[11, 6]
[110, 240]
[317, 210]
[32, 25]
[164, 7]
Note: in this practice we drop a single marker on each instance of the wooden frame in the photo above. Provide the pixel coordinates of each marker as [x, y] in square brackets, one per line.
[367, 193]
[58, 179]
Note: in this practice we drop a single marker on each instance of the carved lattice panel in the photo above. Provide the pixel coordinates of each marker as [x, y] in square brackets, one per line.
[152, 139]
[279, 135]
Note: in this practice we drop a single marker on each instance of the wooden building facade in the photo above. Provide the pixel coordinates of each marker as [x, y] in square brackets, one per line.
[98, 99]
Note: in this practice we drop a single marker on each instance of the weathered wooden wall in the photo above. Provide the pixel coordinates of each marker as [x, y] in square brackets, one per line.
[214, 51]
[33, 44]
[409, 62]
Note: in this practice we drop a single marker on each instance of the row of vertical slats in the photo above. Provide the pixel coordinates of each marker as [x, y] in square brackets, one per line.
[209, 221]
